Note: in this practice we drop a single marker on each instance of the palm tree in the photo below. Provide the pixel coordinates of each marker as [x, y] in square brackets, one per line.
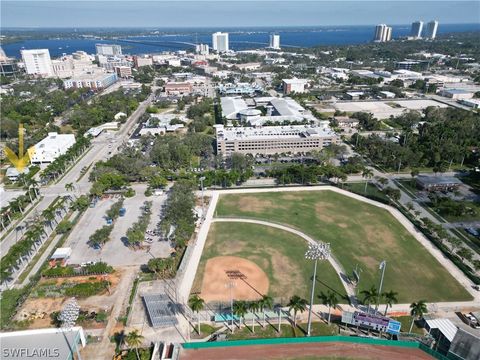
[253, 306]
[196, 303]
[369, 296]
[266, 302]
[329, 299]
[296, 304]
[390, 299]
[240, 309]
[69, 186]
[417, 309]
[49, 215]
[367, 174]
[134, 339]
[32, 183]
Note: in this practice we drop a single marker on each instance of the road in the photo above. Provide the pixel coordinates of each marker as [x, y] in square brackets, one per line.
[99, 150]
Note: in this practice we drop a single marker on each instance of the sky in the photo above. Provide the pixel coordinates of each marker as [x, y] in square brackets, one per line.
[230, 13]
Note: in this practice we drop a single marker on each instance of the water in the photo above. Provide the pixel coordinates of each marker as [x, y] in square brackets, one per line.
[240, 39]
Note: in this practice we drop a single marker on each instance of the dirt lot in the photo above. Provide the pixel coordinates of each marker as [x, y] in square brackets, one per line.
[38, 310]
[300, 351]
[250, 281]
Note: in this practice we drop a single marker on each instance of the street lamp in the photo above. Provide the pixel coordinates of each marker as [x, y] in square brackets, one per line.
[317, 251]
[382, 267]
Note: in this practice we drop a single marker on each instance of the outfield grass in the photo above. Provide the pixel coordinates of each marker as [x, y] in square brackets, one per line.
[278, 253]
[359, 233]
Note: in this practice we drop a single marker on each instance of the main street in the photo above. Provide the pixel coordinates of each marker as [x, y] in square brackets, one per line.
[99, 150]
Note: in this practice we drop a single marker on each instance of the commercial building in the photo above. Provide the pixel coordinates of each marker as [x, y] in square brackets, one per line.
[383, 33]
[417, 28]
[271, 140]
[275, 41]
[37, 62]
[294, 85]
[108, 49]
[431, 30]
[386, 95]
[220, 42]
[178, 88]
[473, 103]
[464, 346]
[123, 72]
[109, 63]
[438, 183]
[406, 65]
[457, 94]
[140, 61]
[91, 79]
[48, 149]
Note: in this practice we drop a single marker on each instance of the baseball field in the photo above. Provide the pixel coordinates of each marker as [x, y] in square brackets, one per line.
[359, 233]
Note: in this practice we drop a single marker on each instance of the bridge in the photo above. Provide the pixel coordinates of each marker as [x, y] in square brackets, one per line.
[177, 43]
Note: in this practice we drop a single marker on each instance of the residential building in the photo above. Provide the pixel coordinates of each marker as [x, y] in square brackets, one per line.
[383, 33]
[417, 28]
[8, 66]
[37, 62]
[140, 61]
[202, 49]
[95, 80]
[294, 85]
[108, 49]
[48, 149]
[431, 30]
[271, 140]
[63, 67]
[275, 41]
[123, 72]
[220, 42]
[178, 88]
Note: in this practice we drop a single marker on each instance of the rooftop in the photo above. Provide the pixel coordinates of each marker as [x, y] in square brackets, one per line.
[277, 132]
[445, 326]
[438, 180]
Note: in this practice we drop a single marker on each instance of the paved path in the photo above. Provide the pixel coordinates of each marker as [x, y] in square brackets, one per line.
[335, 264]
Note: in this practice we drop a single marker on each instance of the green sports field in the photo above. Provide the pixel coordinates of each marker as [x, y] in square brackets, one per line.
[359, 233]
[278, 253]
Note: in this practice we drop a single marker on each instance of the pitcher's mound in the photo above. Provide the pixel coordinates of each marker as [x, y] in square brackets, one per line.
[249, 281]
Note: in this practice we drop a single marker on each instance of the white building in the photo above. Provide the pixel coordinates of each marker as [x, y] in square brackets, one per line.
[48, 149]
[108, 49]
[202, 49]
[271, 140]
[274, 41]
[431, 30]
[383, 33]
[220, 42]
[417, 28]
[93, 79]
[294, 85]
[37, 62]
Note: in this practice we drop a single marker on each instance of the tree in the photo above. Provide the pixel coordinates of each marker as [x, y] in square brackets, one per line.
[390, 298]
[367, 174]
[266, 302]
[369, 296]
[240, 309]
[329, 299]
[417, 309]
[196, 303]
[253, 306]
[296, 304]
[465, 254]
[134, 339]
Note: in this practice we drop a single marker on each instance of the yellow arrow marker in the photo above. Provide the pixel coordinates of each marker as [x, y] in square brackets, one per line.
[21, 160]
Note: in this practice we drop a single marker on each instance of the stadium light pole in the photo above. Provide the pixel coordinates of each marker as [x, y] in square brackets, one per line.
[382, 267]
[317, 251]
[203, 205]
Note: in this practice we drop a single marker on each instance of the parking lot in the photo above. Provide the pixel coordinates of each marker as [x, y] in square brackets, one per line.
[116, 252]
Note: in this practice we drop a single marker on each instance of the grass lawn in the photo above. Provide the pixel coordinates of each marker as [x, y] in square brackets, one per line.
[359, 233]
[278, 253]
[406, 322]
[287, 330]
[359, 188]
[205, 330]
